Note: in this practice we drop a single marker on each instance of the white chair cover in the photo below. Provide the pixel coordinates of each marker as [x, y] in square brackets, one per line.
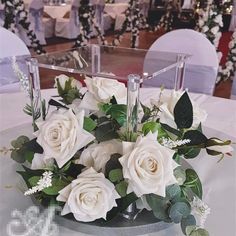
[233, 91]
[69, 27]
[36, 20]
[99, 6]
[201, 68]
[188, 4]
[232, 26]
[10, 46]
[2, 14]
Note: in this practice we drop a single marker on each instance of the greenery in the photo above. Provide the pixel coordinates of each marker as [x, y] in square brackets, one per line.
[108, 124]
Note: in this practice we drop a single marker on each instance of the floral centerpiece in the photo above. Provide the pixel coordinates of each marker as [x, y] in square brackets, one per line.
[82, 158]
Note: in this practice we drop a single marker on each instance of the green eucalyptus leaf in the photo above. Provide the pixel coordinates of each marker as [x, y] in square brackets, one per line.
[89, 124]
[183, 112]
[121, 188]
[115, 175]
[180, 175]
[187, 221]
[189, 229]
[173, 191]
[193, 182]
[178, 211]
[18, 156]
[159, 206]
[194, 231]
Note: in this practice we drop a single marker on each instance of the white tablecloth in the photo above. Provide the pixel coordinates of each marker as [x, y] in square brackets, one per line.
[218, 179]
[115, 9]
[57, 11]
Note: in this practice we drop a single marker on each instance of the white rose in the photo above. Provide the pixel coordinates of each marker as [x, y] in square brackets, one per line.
[102, 90]
[234, 35]
[62, 135]
[167, 111]
[89, 197]
[233, 50]
[231, 44]
[148, 166]
[215, 29]
[218, 19]
[62, 80]
[97, 155]
[205, 29]
[200, 23]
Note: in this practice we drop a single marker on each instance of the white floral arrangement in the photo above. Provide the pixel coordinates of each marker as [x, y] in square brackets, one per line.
[209, 23]
[82, 158]
[228, 70]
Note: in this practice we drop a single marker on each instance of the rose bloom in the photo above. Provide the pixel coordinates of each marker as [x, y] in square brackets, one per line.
[215, 29]
[61, 136]
[148, 166]
[221, 147]
[89, 197]
[205, 28]
[62, 80]
[97, 155]
[167, 111]
[102, 90]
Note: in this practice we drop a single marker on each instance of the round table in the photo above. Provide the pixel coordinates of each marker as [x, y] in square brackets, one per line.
[218, 179]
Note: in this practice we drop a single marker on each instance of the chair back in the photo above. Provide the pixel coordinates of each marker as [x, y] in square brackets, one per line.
[36, 19]
[74, 13]
[11, 45]
[201, 68]
[233, 91]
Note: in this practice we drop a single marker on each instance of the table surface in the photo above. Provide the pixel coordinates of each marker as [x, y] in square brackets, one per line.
[218, 179]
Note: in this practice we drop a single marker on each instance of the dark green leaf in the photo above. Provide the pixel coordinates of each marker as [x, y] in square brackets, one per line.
[189, 152]
[187, 221]
[89, 124]
[106, 131]
[196, 138]
[112, 164]
[56, 104]
[122, 205]
[147, 113]
[178, 211]
[159, 206]
[28, 155]
[183, 112]
[33, 146]
[121, 188]
[192, 181]
[171, 130]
